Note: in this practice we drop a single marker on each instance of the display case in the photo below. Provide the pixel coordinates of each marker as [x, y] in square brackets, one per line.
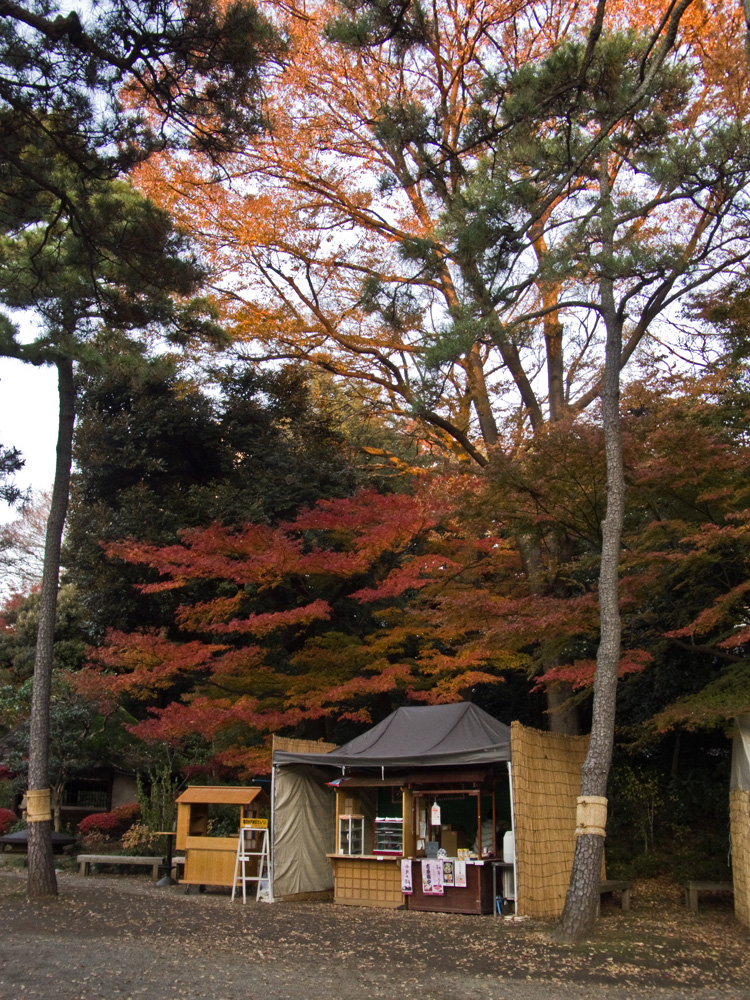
[389, 836]
[351, 834]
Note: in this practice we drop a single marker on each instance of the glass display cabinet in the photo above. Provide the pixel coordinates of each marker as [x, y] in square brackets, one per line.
[351, 834]
[389, 836]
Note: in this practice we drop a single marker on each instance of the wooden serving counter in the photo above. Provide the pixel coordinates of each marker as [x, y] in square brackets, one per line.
[476, 897]
[210, 860]
[367, 880]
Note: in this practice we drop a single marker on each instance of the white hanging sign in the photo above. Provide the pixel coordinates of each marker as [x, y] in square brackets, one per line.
[435, 815]
[406, 883]
[459, 874]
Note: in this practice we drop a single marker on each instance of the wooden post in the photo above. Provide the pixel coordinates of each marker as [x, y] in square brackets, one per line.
[409, 825]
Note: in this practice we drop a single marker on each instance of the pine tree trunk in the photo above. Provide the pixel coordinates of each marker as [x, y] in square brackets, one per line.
[562, 713]
[480, 397]
[579, 914]
[42, 880]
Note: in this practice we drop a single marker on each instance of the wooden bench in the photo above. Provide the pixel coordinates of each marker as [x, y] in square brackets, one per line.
[85, 861]
[613, 885]
[693, 889]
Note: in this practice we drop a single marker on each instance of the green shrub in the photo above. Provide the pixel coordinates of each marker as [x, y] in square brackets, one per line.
[158, 809]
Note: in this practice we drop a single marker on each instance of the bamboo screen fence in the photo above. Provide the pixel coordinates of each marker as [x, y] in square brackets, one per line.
[546, 783]
[289, 745]
[739, 817]
[739, 813]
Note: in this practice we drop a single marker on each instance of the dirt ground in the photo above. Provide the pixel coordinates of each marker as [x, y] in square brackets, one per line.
[120, 937]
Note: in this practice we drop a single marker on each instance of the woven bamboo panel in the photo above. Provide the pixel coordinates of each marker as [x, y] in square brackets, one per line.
[739, 817]
[290, 745]
[546, 782]
[365, 882]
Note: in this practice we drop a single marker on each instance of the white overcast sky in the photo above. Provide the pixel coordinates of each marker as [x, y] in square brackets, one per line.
[28, 421]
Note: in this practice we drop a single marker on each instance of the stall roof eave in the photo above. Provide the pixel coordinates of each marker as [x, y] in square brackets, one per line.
[472, 775]
[490, 756]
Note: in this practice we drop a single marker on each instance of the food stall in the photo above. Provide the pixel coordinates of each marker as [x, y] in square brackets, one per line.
[210, 859]
[441, 830]
[339, 814]
[422, 802]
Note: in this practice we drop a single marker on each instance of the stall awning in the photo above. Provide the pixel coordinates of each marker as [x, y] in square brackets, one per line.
[419, 736]
[223, 795]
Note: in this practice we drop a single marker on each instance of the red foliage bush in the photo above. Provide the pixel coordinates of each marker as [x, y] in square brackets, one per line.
[7, 819]
[103, 822]
[127, 813]
[116, 821]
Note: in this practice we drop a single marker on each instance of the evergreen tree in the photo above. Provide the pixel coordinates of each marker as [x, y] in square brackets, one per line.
[11, 462]
[123, 267]
[106, 88]
[80, 101]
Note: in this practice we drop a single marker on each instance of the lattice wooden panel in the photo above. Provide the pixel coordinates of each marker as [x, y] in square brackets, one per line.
[368, 883]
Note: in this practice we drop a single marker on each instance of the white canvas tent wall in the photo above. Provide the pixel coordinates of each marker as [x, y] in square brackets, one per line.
[303, 812]
[300, 864]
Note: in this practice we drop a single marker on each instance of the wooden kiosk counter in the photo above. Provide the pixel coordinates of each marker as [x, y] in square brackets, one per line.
[210, 860]
[377, 882]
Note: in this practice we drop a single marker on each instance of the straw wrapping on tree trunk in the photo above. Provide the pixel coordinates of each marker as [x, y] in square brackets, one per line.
[591, 815]
[38, 805]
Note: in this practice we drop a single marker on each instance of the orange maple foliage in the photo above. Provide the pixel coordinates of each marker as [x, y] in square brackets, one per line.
[423, 598]
[371, 596]
[324, 600]
[373, 148]
[425, 220]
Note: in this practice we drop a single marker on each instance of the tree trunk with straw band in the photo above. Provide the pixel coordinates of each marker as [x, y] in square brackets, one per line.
[42, 880]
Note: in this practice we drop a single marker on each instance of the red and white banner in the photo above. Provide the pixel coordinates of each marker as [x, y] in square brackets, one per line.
[432, 878]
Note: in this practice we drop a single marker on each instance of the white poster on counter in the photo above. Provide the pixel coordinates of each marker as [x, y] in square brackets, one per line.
[459, 874]
[406, 884]
[432, 878]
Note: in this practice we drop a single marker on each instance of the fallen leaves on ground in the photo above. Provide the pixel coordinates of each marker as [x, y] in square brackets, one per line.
[657, 944]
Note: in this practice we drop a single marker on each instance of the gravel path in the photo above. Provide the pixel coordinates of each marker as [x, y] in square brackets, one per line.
[119, 937]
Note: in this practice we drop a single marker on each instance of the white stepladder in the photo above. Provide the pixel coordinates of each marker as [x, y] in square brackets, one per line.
[253, 843]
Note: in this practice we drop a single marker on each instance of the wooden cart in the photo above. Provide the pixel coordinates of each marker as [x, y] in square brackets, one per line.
[210, 860]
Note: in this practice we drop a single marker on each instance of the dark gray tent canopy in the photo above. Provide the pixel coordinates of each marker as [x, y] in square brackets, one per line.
[426, 735]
